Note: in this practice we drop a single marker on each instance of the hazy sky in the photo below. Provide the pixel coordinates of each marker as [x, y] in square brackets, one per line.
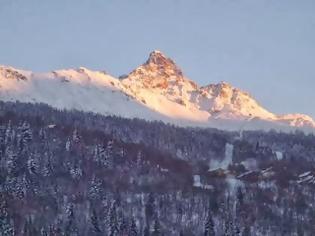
[266, 47]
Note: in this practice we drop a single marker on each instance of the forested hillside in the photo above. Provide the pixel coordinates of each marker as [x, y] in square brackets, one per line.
[75, 173]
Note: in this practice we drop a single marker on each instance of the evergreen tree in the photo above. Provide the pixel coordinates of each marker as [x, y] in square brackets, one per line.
[95, 189]
[29, 228]
[12, 162]
[209, 226]
[70, 227]
[95, 222]
[228, 225]
[68, 145]
[76, 138]
[6, 226]
[47, 168]
[149, 209]
[146, 231]
[32, 164]
[103, 155]
[2, 142]
[246, 231]
[237, 230]
[107, 156]
[75, 170]
[156, 228]
[123, 226]
[240, 196]
[133, 228]
[139, 159]
[25, 136]
[9, 133]
[113, 221]
[43, 232]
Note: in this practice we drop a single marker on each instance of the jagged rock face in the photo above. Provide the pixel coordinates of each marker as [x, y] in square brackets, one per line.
[223, 100]
[10, 73]
[161, 63]
[159, 75]
[159, 72]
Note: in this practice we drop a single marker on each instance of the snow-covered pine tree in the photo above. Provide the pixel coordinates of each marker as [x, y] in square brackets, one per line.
[6, 225]
[123, 225]
[95, 189]
[68, 145]
[113, 221]
[146, 231]
[95, 225]
[133, 228]
[246, 231]
[156, 228]
[150, 209]
[209, 225]
[25, 136]
[76, 138]
[9, 134]
[11, 161]
[32, 164]
[70, 227]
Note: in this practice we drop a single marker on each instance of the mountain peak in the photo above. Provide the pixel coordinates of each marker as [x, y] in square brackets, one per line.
[157, 57]
[157, 72]
[159, 60]
[224, 84]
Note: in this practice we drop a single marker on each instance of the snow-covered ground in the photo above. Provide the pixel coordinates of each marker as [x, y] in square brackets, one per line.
[228, 159]
[279, 155]
[197, 183]
[306, 177]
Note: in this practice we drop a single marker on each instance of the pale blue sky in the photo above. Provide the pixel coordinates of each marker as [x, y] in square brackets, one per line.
[266, 47]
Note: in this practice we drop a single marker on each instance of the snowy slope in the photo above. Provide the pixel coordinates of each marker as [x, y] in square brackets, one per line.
[156, 90]
[79, 89]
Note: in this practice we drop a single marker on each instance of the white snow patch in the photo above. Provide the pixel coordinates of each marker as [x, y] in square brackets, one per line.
[197, 182]
[233, 183]
[279, 155]
[244, 174]
[266, 184]
[250, 164]
[306, 177]
[304, 174]
[228, 159]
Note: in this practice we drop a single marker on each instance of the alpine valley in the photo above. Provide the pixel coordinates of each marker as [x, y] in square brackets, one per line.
[150, 153]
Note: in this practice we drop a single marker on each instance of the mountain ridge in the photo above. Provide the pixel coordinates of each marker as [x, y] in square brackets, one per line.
[156, 90]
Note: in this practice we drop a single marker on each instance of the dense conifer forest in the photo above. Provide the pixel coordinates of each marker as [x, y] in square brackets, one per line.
[75, 173]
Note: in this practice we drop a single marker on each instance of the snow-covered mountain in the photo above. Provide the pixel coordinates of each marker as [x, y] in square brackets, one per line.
[156, 90]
